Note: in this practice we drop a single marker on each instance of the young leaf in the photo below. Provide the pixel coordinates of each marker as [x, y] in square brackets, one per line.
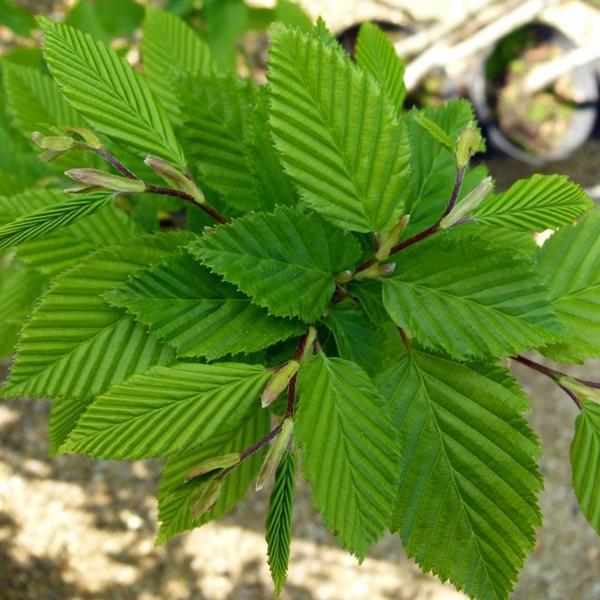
[197, 313]
[351, 452]
[375, 53]
[433, 166]
[279, 520]
[337, 133]
[286, 261]
[469, 299]
[175, 495]
[535, 204]
[585, 461]
[167, 409]
[56, 216]
[358, 340]
[570, 260]
[76, 345]
[113, 98]
[467, 509]
[58, 250]
[19, 289]
[169, 48]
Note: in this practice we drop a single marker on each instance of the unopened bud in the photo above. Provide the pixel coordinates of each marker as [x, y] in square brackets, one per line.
[87, 136]
[468, 204]
[205, 497]
[582, 391]
[102, 179]
[309, 344]
[57, 144]
[344, 277]
[278, 382]
[275, 453]
[215, 463]
[376, 271]
[392, 238]
[174, 177]
[467, 144]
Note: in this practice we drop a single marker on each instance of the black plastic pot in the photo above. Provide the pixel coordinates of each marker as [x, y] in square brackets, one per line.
[584, 115]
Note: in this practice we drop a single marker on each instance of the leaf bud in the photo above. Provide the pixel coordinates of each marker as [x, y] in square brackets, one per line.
[174, 177]
[467, 144]
[215, 463]
[56, 143]
[278, 382]
[87, 136]
[582, 391]
[275, 453]
[376, 271]
[102, 179]
[309, 343]
[205, 497]
[468, 204]
[392, 238]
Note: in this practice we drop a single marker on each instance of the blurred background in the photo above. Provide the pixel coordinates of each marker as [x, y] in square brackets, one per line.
[74, 528]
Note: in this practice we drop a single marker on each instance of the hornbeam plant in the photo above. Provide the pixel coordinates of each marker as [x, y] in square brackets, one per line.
[253, 281]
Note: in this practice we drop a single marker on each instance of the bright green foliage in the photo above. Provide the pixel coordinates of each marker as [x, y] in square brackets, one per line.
[570, 260]
[112, 97]
[469, 477]
[47, 220]
[197, 313]
[534, 204]
[19, 288]
[285, 261]
[56, 251]
[369, 349]
[357, 339]
[351, 452]
[170, 46]
[175, 495]
[585, 461]
[168, 408]
[375, 54]
[338, 135]
[479, 301]
[36, 102]
[432, 164]
[76, 344]
[279, 520]
[224, 130]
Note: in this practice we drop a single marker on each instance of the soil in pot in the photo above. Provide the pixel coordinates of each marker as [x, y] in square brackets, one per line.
[538, 122]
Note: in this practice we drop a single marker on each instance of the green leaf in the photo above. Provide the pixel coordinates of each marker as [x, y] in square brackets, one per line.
[435, 131]
[570, 261]
[19, 290]
[535, 204]
[36, 102]
[433, 166]
[351, 452]
[467, 508]
[375, 53]
[196, 313]
[227, 138]
[112, 97]
[174, 495]
[286, 261]
[76, 345]
[170, 47]
[585, 461]
[54, 252]
[46, 220]
[337, 133]
[469, 299]
[279, 520]
[359, 341]
[167, 409]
